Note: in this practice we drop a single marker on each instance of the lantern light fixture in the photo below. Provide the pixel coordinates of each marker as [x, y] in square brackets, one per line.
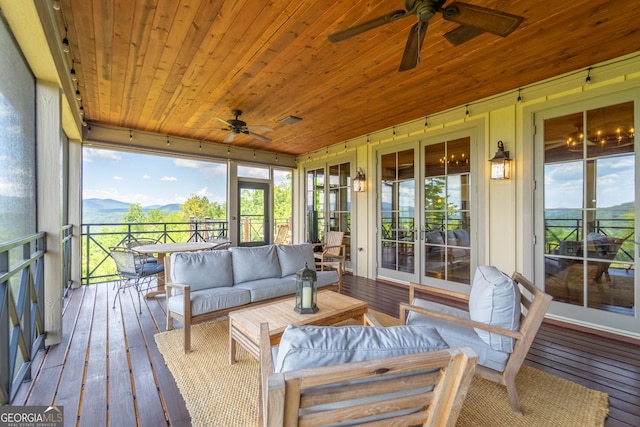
[501, 163]
[359, 181]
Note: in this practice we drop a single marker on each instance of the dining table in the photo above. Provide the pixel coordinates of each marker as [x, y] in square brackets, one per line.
[163, 249]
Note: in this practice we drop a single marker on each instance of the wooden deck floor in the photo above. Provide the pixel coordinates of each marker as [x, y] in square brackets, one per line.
[108, 371]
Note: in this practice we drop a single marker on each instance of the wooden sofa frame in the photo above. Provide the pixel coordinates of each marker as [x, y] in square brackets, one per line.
[533, 305]
[187, 319]
[283, 395]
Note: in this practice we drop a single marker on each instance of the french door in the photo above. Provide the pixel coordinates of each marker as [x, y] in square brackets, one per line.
[425, 215]
[329, 203]
[586, 209]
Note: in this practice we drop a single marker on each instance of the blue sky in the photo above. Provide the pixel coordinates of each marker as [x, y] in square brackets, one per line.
[150, 180]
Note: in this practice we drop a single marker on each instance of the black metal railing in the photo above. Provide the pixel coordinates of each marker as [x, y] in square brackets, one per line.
[22, 308]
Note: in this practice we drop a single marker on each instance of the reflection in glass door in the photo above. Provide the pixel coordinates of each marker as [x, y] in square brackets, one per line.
[329, 204]
[253, 212]
[397, 215]
[447, 214]
[589, 209]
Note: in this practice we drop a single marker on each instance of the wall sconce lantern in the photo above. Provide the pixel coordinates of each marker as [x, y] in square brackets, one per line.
[501, 163]
[306, 291]
[359, 181]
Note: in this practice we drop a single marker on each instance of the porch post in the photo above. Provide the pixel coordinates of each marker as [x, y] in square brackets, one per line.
[50, 201]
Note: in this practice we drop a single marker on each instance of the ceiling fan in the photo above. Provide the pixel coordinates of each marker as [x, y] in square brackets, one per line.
[236, 126]
[473, 20]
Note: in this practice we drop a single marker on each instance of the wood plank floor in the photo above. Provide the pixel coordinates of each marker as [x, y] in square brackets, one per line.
[108, 371]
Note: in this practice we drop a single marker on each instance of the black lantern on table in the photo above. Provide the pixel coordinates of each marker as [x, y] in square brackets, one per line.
[306, 291]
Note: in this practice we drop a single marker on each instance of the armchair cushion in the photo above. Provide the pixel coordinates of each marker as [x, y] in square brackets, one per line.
[457, 335]
[304, 347]
[202, 270]
[293, 258]
[495, 300]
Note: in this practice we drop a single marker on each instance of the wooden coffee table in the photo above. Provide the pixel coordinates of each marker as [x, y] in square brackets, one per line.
[244, 325]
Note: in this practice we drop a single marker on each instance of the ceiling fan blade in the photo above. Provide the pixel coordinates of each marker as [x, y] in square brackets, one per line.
[462, 34]
[230, 137]
[366, 26]
[223, 121]
[259, 137]
[262, 128]
[411, 55]
[489, 20]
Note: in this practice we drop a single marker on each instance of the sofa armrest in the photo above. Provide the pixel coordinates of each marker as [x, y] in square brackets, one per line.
[171, 286]
[404, 308]
[333, 264]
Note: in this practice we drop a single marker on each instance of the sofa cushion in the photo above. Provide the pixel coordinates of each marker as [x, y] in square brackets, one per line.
[271, 287]
[212, 299]
[314, 346]
[254, 263]
[202, 270]
[495, 300]
[293, 258]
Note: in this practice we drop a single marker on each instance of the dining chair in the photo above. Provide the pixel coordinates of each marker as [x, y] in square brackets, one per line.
[282, 236]
[133, 271]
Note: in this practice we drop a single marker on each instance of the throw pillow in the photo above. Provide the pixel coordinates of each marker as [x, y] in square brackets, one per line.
[495, 300]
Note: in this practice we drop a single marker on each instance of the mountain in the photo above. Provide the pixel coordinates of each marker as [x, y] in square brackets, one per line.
[102, 211]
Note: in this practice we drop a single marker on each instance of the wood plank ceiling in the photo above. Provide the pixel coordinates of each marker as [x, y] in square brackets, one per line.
[171, 66]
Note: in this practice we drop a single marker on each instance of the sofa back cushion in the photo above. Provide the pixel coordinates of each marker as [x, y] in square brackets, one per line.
[495, 300]
[202, 270]
[254, 263]
[304, 347]
[293, 258]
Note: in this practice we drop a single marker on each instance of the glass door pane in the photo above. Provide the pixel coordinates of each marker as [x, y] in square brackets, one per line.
[589, 208]
[253, 212]
[397, 213]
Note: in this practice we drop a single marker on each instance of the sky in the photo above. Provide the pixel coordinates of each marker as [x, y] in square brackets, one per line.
[150, 180]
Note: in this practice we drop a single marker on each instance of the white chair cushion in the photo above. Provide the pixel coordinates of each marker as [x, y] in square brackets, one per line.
[495, 300]
[314, 346]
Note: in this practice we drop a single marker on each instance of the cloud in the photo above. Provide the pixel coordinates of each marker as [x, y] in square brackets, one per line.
[145, 176]
[117, 178]
[208, 169]
[168, 178]
[88, 154]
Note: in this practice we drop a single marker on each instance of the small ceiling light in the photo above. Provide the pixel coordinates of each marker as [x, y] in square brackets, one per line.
[588, 79]
[168, 142]
[56, 4]
[81, 110]
[130, 135]
[426, 122]
[289, 120]
[200, 145]
[519, 96]
[74, 76]
[359, 181]
[501, 163]
[65, 45]
[467, 113]
[78, 96]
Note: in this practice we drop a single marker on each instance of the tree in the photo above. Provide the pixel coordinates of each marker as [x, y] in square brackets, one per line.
[196, 206]
[134, 214]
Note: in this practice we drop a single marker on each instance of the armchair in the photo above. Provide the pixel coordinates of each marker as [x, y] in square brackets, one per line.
[500, 325]
[400, 389]
[332, 249]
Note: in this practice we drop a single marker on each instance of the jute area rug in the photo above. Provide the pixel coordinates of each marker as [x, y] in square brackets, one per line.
[219, 394]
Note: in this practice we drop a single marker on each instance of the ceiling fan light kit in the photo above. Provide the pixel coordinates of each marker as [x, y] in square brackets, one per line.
[473, 20]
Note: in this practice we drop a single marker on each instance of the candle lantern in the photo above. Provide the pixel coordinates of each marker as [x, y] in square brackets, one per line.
[306, 283]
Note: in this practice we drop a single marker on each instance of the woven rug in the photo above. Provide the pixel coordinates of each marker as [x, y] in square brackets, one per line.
[219, 394]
